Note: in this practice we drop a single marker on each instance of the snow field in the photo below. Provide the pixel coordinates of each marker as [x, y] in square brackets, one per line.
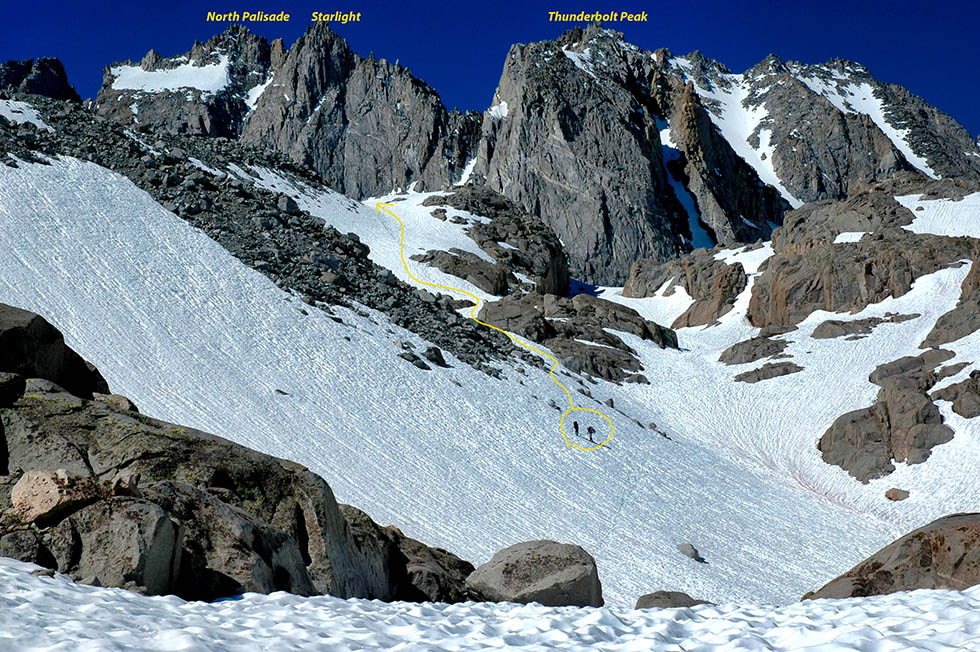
[944, 216]
[453, 457]
[21, 113]
[210, 78]
[55, 613]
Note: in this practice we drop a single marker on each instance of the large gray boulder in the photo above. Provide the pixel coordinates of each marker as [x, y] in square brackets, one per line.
[944, 554]
[667, 600]
[124, 541]
[546, 572]
[31, 347]
[903, 424]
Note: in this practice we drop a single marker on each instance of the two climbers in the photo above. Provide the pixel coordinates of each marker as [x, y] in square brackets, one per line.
[589, 430]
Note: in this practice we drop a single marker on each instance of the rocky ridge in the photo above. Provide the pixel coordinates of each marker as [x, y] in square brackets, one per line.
[205, 91]
[265, 230]
[624, 154]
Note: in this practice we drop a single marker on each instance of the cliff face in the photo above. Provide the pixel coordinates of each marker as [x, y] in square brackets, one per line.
[39, 76]
[625, 154]
[365, 125]
[573, 138]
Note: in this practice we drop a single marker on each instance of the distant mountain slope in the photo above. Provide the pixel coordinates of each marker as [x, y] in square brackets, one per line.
[625, 154]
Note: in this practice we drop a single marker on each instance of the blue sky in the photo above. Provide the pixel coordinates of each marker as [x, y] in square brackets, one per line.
[459, 48]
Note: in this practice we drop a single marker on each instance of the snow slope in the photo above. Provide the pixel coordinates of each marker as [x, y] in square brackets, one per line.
[944, 216]
[453, 457]
[210, 78]
[21, 113]
[738, 121]
[55, 613]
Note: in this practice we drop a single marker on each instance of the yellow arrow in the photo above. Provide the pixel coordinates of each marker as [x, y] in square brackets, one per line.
[561, 424]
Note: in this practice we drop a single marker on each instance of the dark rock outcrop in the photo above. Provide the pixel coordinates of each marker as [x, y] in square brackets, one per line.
[857, 327]
[903, 424]
[964, 395]
[31, 347]
[713, 284]
[667, 600]
[944, 554]
[491, 278]
[562, 325]
[767, 371]
[549, 573]
[533, 248]
[38, 76]
[415, 571]
[95, 490]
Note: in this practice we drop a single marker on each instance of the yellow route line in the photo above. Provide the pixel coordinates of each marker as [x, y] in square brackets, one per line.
[561, 424]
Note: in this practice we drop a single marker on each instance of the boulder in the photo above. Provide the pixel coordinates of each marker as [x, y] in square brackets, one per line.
[689, 550]
[896, 494]
[117, 401]
[549, 573]
[226, 550]
[944, 554]
[24, 545]
[903, 424]
[44, 496]
[125, 542]
[767, 371]
[31, 347]
[491, 278]
[11, 388]
[667, 600]
[414, 571]
[249, 521]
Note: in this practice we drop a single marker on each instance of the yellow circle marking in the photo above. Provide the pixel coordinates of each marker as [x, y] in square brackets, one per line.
[568, 442]
[401, 252]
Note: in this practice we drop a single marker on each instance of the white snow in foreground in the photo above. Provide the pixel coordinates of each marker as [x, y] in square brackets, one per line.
[55, 613]
[849, 236]
[21, 113]
[738, 122]
[944, 216]
[210, 78]
[192, 336]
